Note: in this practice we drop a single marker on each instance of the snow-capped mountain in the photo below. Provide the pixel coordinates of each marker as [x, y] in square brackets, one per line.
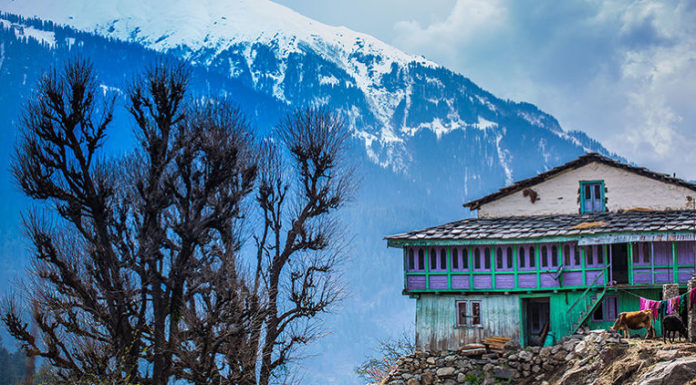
[427, 138]
[387, 95]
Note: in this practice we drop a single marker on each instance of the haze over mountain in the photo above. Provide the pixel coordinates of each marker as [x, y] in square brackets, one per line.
[426, 139]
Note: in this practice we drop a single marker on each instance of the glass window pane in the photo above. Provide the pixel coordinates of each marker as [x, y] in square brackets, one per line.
[477, 258]
[487, 258]
[465, 258]
[576, 255]
[600, 254]
[499, 258]
[476, 313]
[521, 256]
[443, 258]
[433, 259]
[635, 251]
[455, 259]
[461, 313]
[554, 256]
[566, 254]
[411, 260]
[532, 257]
[421, 259]
[588, 192]
[509, 257]
[646, 252]
[589, 255]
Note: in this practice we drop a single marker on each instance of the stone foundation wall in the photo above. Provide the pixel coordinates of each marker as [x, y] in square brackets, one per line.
[520, 366]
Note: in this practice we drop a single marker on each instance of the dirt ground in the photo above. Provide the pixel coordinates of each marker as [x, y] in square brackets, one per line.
[622, 364]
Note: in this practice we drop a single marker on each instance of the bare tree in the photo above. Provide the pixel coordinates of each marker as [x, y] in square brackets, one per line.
[142, 276]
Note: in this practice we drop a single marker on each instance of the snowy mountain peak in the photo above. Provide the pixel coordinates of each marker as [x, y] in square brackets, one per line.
[211, 24]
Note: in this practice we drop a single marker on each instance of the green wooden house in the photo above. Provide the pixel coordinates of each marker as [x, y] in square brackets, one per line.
[572, 246]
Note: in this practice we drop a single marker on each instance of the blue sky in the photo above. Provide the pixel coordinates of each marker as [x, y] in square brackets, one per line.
[622, 71]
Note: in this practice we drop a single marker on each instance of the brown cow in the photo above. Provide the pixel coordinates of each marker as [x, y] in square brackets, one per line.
[635, 320]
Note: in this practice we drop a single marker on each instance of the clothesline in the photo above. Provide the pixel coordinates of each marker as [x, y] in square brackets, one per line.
[668, 306]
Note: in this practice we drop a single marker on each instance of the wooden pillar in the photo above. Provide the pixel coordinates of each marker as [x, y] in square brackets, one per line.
[691, 314]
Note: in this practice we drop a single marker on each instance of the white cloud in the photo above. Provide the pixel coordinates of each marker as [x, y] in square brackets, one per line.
[623, 71]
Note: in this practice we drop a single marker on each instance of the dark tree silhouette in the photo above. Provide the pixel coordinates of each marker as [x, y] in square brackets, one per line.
[142, 274]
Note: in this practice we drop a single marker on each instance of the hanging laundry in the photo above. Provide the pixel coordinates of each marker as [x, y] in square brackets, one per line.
[648, 304]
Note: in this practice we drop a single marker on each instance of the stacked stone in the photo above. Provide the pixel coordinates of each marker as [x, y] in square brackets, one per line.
[532, 364]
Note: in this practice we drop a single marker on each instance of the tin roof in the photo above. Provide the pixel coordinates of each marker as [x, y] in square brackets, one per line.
[577, 163]
[557, 225]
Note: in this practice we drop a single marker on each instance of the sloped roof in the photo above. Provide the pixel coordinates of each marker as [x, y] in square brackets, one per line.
[577, 163]
[557, 225]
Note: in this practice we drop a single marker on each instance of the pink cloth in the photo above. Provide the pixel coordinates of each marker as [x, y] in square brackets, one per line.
[692, 297]
[672, 305]
[646, 304]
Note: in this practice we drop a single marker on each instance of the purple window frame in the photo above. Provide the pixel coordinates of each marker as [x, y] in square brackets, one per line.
[571, 258]
[418, 268]
[439, 251]
[642, 248]
[529, 256]
[480, 257]
[549, 247]
[505, 257]
[595, 254]
[606, 316]
[462, 255]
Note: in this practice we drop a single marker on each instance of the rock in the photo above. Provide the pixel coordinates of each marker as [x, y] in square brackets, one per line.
[504, 373]
[666, 355]
[488, 367]
[412, 381]
[526, 373]
[450, 358]
[445, 372]
[547, 366]
[535, 349]
[513, 364]
[539, 377]
[526, 367]
[581, 348]
[406, 376]
[679, 371]
[556, 348]
[569, 345]
[545, 351]
[430, 360]
[559, 355]
[525, 355]
[461, 377]
[570, 356]
[536, 369]
[472, 352]
[396, 382]
[512, 345]
[512, 357]
[427, 378]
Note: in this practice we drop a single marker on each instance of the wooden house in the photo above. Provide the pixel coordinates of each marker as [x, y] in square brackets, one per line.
[572, 246]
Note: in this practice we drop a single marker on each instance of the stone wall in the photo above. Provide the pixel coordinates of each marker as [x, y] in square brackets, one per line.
[521, 366]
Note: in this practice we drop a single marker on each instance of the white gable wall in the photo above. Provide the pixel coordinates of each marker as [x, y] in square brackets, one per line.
[624, 190]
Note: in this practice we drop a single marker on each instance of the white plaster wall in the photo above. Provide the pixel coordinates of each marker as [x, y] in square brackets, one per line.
[624, 190]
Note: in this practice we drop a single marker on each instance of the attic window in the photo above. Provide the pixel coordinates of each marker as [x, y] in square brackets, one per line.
[592, 196]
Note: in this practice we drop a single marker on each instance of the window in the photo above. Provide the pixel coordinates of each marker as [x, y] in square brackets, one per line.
[487, 258]
[499, 258]
[646, 252]
[438, 259]
[592, 196]
[554, 256]
[411, 260]
[576, 255]
[433, 259]
[544, 256]
[521, 256]
[443, 259]
[465, 258]
[600, 254]
[477, 258]
[532, 257]
[416, 263]
[468, 313]
[421, 259]
[455, 259]
[509, 257]
[566, 254]
[635, 250]
[589, 256]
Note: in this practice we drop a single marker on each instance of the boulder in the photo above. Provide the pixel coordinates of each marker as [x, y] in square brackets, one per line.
[472, 352]
[447, 371]
[504, 373]
[412, 381]
[679, 371]
[666, 355]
